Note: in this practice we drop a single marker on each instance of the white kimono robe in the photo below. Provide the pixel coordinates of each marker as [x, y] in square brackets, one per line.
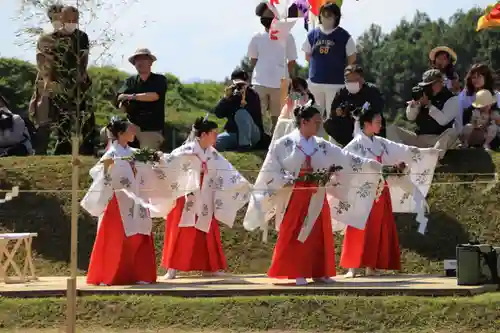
[223, 192]
[132, 192]
[407, 192]
[283, 163]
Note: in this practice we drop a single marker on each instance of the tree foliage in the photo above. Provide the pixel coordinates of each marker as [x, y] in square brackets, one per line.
[394, 61]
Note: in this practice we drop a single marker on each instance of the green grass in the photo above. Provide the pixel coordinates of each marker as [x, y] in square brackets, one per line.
[457, 212]
[315, 314]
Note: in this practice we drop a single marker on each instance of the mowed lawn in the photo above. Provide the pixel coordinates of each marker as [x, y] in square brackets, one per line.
[259, 314]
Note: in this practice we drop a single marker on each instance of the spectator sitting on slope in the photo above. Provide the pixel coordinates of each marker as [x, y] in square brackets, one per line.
[14, 136]
[241, 106]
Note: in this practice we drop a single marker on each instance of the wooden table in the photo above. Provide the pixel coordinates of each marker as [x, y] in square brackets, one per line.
[8, 258]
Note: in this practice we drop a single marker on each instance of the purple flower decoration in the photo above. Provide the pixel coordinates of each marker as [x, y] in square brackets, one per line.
[303, 8]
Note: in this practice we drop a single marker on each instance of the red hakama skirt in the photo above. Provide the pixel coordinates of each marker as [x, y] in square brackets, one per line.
[117, 259]
[189, 249]
[315, 258]
[377, 246]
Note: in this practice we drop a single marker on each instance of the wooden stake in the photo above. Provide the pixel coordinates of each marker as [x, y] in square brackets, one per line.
[71, 283]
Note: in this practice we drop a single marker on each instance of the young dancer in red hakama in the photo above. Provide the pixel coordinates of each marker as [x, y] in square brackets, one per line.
[123, 251]
[192, 236]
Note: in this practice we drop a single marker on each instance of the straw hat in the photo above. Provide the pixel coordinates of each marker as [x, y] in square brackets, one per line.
[483, 98]
[434, 51]
[140, 52]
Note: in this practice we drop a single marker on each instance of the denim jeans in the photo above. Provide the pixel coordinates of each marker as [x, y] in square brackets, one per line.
[248, 133]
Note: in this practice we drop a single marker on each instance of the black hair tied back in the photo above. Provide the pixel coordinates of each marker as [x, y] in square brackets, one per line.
[203, 125]
[304, 112]
[116, 126]
[367, 113]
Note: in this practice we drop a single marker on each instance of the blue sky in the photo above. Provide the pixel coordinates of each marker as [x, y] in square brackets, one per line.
[202, 40]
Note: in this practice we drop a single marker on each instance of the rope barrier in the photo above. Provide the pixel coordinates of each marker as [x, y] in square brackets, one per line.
[253, 190]
[475, 174]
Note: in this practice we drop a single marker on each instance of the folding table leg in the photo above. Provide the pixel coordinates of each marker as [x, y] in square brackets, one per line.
[10, 262]
[28, 260]
[3, 250]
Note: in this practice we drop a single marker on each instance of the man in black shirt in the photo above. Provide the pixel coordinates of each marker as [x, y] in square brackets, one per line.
[357, 92]
[142, 97]
[241, 107]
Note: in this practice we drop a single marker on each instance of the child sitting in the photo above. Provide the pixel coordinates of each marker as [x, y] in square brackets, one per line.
[483, 126]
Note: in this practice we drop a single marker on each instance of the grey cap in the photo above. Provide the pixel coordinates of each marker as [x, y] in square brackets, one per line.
[430, 76]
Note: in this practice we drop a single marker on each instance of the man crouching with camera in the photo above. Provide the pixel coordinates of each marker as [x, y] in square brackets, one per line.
[241, 107]
[433, 108]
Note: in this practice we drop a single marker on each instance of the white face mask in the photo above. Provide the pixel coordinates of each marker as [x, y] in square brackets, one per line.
[353, 87]
[70, 27]
[57, 25]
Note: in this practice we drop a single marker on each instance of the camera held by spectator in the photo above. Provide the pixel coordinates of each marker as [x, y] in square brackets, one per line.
[418, 92]
[345, 109]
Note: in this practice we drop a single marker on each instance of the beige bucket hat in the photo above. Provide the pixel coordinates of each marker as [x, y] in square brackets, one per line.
[140, 52]
[483, 98]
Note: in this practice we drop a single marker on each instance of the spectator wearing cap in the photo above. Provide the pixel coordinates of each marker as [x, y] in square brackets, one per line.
[483, 126]
[434, 115]
[142, 97]
[328, 49]
[270, 61]
[444, 58]
[242, 108]
[357, 92]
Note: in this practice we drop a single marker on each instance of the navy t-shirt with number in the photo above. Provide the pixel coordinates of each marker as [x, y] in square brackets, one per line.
[328, 56]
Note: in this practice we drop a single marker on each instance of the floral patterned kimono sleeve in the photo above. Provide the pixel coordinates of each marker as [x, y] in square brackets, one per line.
[354, 188]
[101, 191]
[408, 192]
[232, 190]
[270, 182]
[174, 177]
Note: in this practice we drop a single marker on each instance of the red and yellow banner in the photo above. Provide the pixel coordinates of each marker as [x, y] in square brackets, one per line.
[490, 19]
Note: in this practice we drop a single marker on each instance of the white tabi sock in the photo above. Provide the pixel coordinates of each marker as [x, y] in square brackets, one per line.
[351, 273]
[300, 282]
[171, 273]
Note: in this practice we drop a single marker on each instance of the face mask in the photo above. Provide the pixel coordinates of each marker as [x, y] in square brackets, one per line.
[295, 96]
[353, 87]
[266, 22]
[70, 27]
[57, 25]
[328, 22]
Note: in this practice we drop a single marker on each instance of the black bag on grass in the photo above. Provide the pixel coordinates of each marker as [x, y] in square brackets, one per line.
[477, 264]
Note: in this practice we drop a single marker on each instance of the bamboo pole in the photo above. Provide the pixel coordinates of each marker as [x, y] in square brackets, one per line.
[283, 98]
[71, 283]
